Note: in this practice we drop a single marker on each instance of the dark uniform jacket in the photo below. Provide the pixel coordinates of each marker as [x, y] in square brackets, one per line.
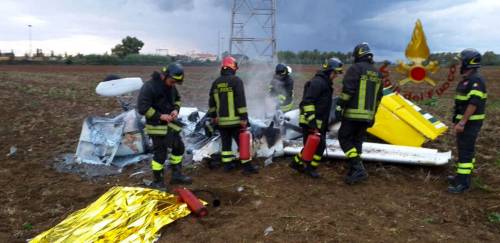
[361, 92]
[471, 90]
[156, 99]
[281, 87]
[316, 102]
[227, 100]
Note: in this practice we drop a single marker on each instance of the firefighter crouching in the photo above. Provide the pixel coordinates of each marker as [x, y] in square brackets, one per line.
[281, 87]
[358, 103]
[468, 117]
[315, 113]
[227, 108]
[160, 102]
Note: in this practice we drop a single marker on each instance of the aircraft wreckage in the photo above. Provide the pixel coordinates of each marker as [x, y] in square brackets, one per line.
[120, 140]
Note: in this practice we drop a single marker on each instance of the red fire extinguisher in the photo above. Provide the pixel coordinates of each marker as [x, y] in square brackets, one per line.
[192, 201]
[245, 144]
[310, 147]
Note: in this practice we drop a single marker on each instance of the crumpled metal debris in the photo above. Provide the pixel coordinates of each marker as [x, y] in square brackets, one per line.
[123, 214]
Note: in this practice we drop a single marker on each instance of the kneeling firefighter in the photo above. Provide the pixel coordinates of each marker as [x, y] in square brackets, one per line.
[281, 87]
[160, 102]
[468, 117]
[315, 113]
[227, 108]
[358, 103]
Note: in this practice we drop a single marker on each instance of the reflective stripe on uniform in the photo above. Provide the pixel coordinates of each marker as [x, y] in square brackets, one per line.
[281, 97]
[362, 92]
[472, 118]
[242, 110]
[151, 111]
[156, 166]
[311, 117]
[358, 113]
[309, 108]
[227, 156]
[175, 159]
[352, 153]
[345, 96]
[314, 164]
[286, 108]
[174, 127]
[477, 93]
[297, 159]
[319, 123]
[474, 92]
[229, 120]
[178, 103]
[317, 157]
[465, 168]
[156, 130]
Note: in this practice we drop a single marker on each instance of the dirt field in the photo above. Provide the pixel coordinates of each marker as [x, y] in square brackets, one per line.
[43, 107]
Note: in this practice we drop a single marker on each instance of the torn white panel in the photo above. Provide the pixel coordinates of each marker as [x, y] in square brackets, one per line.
[118, 86]
[382, 153]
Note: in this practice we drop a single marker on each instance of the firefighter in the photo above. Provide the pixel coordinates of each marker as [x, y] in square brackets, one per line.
[468, 117]
[315, 113]
[160, 102]
[361, 94]
[281, 87]
[227, 108]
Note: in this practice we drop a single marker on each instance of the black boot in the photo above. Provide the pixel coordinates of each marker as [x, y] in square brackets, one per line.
[311, 171]
[178, 177]
[462, 184]
[229, 166]
[357, 172]
[249, 169]
[158, 180]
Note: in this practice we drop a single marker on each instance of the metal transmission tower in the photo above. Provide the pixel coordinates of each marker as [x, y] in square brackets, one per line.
[253, 29]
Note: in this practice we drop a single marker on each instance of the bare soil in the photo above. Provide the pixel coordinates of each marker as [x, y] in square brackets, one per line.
[43, 107]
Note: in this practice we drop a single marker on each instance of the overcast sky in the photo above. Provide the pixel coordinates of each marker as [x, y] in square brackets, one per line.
[95, 26]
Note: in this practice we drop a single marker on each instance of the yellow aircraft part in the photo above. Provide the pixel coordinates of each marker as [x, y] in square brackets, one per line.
[122, 214]
[398, 121]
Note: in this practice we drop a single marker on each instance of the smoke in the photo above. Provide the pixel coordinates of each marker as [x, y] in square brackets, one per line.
[257, 78]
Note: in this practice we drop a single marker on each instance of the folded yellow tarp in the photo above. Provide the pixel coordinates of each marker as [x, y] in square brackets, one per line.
[398, 121]
[122, 214]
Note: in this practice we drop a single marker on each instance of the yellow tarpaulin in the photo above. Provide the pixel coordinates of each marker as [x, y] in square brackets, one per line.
[125, 214]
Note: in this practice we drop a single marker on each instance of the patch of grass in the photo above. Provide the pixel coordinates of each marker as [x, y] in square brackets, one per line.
[430, 220]
[494, 218]
[477, 182]
[433, 102]
[493, 104]
[27, 226]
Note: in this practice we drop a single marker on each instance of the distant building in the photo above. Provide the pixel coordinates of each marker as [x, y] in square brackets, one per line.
[203, 57]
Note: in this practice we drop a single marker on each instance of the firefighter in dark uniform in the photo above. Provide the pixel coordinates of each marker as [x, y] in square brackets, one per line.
[281, 87]
[468, 117]
[358, 103]
[315, 113]
[160, 102]
[227, 108]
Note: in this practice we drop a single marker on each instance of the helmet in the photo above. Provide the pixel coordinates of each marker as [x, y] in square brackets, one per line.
[175, 71]
[361, 50]
[333, 64]
[281, 69]
[229, 62]
[470, 58]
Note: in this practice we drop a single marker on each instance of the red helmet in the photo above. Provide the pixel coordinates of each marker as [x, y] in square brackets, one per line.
[229, 62]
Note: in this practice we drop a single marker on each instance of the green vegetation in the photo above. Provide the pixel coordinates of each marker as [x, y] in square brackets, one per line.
[494, 218]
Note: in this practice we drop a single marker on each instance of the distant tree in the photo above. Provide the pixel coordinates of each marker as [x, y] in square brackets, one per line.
[129, 45]
[490, 58]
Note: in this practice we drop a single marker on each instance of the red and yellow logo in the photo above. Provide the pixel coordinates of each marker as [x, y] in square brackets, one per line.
[418, 68]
